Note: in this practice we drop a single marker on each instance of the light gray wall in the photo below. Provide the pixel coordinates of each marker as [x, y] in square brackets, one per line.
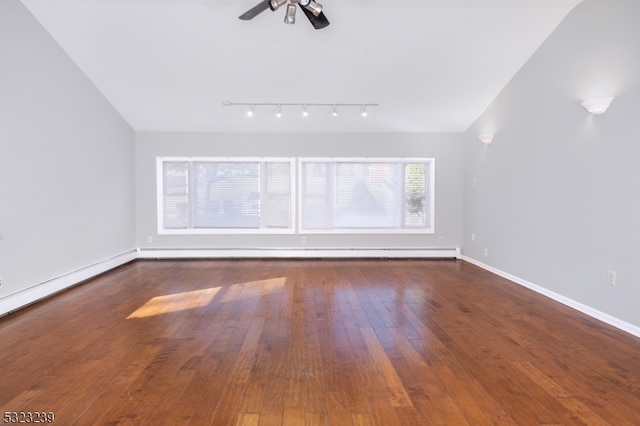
[66, 161]
[446, 148]
[556, 199]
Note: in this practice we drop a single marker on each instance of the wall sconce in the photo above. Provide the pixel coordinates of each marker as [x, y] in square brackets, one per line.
[597, 106]
[485, 138]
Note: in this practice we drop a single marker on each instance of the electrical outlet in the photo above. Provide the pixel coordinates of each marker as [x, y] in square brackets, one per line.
[486, 252]
[440, 240]
[149, 239]
[0, 281]
[303, 240]
[473, 237]
[611, 277]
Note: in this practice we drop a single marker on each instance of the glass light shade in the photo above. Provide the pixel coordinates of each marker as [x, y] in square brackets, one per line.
[485, 138]
[290, 17]
[597, 106]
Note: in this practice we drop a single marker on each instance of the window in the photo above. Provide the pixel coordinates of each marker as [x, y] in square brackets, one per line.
[365, 195]
[256, 195]
[215, 195]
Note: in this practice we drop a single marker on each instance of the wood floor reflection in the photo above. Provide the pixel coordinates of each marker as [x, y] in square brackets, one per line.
[315, 342]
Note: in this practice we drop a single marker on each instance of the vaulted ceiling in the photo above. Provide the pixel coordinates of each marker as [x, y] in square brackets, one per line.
[430, 65]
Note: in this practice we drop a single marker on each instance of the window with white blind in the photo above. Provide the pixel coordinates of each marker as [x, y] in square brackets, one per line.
[218, 195]
[366, 195]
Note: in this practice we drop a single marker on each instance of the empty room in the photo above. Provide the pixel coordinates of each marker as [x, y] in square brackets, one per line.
[287, 212]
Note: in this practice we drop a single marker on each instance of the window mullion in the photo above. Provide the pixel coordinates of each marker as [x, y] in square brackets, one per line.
[190, 194]
[331, 192]
[402, 196]
[262, 185]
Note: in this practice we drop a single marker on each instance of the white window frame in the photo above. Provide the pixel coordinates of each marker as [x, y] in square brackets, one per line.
[429, 228]
[291, 229]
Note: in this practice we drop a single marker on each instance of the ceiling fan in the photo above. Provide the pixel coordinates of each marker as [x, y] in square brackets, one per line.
[311, 9]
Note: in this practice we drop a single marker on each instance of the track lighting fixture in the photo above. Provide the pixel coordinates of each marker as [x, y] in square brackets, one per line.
[305, 107]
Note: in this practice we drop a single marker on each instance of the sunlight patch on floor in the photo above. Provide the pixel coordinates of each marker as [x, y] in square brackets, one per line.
[177, 302]
[254, 289]
[160, 305]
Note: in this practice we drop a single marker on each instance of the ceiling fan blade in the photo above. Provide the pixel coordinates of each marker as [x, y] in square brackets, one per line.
[255, 10]
[319, 21]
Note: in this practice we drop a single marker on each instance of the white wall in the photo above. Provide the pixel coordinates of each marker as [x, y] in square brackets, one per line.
[556, 200]
[66, 162]
[446, 148]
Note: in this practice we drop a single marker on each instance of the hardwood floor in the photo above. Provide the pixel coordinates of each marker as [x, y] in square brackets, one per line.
[315, 342]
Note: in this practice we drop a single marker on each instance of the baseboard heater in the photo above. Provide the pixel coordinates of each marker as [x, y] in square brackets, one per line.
[307, 253]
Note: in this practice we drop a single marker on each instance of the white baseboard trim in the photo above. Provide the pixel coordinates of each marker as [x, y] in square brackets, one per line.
[309, 253]
[594, 313]
[39, 291]
[20, 299]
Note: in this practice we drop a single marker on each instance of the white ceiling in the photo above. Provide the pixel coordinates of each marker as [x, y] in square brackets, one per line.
[431, 65]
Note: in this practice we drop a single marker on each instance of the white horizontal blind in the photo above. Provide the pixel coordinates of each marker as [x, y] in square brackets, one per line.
[366, 195]
[362, 194]
[226, 194]
[316, 206]
[222, 195]
[175, 195]
[277, 199]
[418, 200]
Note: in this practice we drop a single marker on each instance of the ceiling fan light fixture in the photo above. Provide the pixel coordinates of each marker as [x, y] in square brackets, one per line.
[334, 112]
[364, 112]
[313, 7]
[290, 17]
[275, 4]
[251, 110]
[305, 112]
[279, 111]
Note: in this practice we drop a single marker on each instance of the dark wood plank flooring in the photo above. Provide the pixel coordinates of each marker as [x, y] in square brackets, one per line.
[315, 342]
